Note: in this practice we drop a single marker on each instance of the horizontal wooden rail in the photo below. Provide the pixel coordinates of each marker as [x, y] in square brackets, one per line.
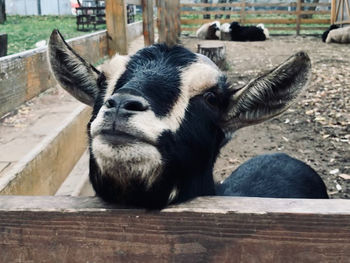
[207, 229]
[259, 12]
[275, 28]
[133, 2]
[296, 12]
[253, 4]
[25, 75]
[259, 20]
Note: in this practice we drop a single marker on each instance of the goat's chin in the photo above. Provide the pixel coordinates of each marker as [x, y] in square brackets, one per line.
[137, 161]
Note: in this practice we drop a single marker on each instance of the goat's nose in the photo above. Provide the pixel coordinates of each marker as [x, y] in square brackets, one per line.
[127, 103]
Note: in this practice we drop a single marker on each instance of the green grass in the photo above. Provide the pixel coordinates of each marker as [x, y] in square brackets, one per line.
[24, 31]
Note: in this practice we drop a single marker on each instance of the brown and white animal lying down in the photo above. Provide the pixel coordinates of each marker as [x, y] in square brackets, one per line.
[161, 116]
[339, 35]
[209, 31]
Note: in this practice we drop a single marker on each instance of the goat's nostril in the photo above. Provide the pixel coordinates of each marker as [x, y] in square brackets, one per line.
[135, 105]
[110, 103]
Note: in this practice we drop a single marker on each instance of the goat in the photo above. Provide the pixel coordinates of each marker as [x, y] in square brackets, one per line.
[209, 31]
[266, 31]
[339, 35]
[225, 28]
[263, 176]
[325, 33]
[161, 116]
[246, 33]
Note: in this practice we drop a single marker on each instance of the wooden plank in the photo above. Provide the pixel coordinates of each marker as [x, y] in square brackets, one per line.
[116, 20]
[178, 18]
[215, 229]
[161, 22]
[298, 12]
[315, 4]
[333, 11]
[274, 28]
[133, 2]
[3, 44]
[148, 22]
[315, 21]
[42, 171]
[257, 12]
[252, 21]
[24, 75]
[134, 30]
[212, 5]
[2, 12]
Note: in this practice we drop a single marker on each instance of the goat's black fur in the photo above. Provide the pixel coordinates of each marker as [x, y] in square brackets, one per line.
[274, 175]
[246, 33]
[152, 84]
[325, 33]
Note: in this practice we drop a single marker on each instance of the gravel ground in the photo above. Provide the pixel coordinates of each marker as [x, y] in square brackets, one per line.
[316, 129]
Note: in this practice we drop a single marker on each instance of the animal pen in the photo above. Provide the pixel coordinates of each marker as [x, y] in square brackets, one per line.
[280, 17]
[35, 227]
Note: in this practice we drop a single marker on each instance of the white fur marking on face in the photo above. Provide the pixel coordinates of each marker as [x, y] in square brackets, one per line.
[173, 194]
[138, 160]
[198, 77]
[113, 70]
[195, 78]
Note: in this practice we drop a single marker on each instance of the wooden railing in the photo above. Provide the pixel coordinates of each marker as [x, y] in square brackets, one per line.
[168, 22]
[340, 12]
[294, 16]
[207, 229]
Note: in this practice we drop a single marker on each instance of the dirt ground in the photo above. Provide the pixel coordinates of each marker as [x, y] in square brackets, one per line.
[316, 129]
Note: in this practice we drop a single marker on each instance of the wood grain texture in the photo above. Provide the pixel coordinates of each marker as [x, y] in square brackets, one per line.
[3, 44]
[42, 171]
[2, 12]
[116, 20]
[148, 22]
[208, 229]
[26, 74]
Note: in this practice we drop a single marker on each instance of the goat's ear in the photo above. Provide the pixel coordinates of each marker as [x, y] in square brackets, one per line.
[72, 72]
[268, 95]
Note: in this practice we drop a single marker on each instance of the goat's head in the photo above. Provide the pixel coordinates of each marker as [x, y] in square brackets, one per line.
[161, 116]
[214, 30]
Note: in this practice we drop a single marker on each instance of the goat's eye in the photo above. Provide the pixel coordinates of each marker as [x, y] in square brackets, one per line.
[211, 98]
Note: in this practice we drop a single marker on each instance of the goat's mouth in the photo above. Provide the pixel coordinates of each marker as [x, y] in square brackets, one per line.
[115, 137]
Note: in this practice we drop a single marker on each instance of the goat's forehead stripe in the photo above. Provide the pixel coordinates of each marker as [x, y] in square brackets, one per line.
[198, 77]
[113, 70]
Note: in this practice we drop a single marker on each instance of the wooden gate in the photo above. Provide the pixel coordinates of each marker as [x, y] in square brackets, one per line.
[282, 16]
[340, 12]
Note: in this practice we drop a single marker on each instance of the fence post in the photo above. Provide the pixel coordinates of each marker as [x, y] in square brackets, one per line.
[2, 12]
[178, 18]
[161, 24]
[242, 13]
[333, 9]
[3, 45]
[116, 27]
[148, 25]
[298, 19]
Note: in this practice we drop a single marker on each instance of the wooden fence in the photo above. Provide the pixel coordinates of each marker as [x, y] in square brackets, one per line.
[25, 75]
[207, 229]
[340, 12]
[168, 22]
[292, 16]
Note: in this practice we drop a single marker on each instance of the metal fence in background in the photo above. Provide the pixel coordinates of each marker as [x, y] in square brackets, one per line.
[38, 7]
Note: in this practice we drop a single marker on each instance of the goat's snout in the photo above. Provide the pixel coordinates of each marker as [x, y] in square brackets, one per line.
[126, 104]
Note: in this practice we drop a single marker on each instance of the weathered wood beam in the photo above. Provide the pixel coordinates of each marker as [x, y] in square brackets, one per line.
[2, 12]
[148, 22]
[116, 20]
[28, 74]
[3, 44]
[210, 229]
